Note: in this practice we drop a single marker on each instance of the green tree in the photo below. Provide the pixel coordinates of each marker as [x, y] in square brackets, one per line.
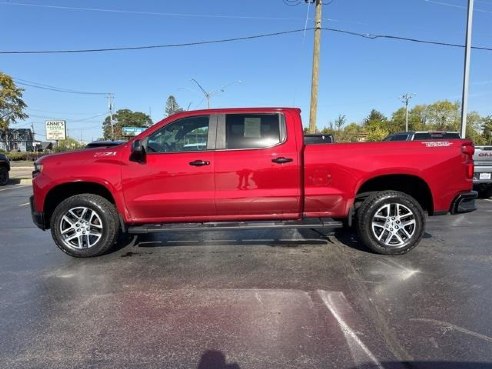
[11, 104]
[487, 129]
[124, 118]
[443, 116]
[375, 116]
[172, 107]
[376, 126]
[68, 144]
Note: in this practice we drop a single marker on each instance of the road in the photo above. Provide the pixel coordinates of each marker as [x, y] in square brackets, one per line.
[248, 299]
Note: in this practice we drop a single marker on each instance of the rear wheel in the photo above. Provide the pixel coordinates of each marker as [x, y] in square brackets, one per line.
[85, 225]
[4, 176]
[390, 222]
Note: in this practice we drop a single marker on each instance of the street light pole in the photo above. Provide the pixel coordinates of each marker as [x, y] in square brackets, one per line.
[208, 95]
[205, 93]
[466, 73]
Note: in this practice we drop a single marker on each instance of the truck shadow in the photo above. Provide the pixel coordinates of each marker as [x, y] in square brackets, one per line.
[287, 238]
[272, 238]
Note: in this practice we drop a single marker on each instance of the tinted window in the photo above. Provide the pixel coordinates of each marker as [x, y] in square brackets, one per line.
[248, 131]
[189, 134]
[452, 135]
[400, 137]
[422, 136]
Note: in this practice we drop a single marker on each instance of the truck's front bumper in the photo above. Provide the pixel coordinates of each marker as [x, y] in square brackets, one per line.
[37, 218]
[464, 203]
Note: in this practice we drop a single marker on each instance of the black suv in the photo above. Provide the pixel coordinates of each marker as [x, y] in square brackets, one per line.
[422, 135]
[4, 170]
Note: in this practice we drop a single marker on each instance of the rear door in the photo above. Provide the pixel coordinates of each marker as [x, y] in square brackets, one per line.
[257, 168]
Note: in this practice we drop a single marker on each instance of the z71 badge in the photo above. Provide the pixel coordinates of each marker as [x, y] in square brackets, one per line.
[104, 154]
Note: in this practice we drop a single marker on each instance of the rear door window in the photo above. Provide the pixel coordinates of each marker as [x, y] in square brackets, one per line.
[252, 131]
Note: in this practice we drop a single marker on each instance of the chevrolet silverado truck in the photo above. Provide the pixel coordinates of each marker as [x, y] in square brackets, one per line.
[482, 178]
[248, 168]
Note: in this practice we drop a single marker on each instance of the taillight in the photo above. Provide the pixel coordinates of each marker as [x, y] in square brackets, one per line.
[469, 170]
[468, 149]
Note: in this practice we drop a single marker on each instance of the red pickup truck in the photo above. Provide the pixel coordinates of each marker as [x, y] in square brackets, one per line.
[248, 168]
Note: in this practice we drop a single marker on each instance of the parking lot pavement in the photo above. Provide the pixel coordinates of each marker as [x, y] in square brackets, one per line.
[21, 172]
[248, 299]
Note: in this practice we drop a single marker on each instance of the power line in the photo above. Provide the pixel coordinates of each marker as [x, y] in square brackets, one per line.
[120, 11]
[53, 88]
[252, 37]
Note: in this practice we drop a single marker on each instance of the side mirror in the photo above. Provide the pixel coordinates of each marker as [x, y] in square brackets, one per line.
[138, 152]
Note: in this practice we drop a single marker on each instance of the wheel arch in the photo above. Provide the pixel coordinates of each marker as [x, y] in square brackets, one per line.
[411, 185]
[59, 193]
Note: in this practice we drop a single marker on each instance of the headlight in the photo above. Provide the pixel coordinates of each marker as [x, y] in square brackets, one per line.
[38, 168]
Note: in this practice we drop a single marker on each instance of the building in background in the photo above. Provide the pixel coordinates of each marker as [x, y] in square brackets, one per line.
[17, 139]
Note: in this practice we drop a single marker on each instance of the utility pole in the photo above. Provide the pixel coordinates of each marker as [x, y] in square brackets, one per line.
[110, 107]
[315, 72]
[405, 99]
[466, 73]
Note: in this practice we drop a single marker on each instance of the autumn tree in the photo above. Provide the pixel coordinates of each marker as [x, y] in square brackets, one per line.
[11, 104]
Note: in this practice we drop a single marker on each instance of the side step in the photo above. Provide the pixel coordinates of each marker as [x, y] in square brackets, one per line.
[221, 226]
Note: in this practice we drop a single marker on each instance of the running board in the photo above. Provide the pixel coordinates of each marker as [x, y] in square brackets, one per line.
[222, 226]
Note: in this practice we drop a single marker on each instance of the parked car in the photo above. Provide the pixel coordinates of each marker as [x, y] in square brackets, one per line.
[4, 170]
[255, 171]
[482, 178]
[422, 135]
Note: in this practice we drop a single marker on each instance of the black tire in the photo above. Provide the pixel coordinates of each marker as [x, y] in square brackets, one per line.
[85, 225]
[390, 222]
[4, 176]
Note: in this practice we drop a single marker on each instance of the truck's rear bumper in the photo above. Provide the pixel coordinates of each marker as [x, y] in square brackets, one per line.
[37, 218]
[464, 203]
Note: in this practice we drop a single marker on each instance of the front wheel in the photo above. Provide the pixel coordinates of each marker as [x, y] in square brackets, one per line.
[390, 222]
[85, 225]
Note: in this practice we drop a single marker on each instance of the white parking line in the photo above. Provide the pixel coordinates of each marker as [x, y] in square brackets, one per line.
[336, 304]
[14, 188]
[24, 204]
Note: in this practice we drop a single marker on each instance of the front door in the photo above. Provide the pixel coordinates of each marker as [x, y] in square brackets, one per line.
[176, 182]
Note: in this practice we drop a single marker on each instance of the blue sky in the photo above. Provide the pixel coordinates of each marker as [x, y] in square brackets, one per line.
[356, 74]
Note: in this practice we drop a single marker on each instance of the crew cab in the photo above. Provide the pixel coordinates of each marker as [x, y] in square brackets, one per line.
[248, 168]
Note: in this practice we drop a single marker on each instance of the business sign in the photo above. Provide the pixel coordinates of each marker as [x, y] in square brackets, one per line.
[132, 131]
[56, 130]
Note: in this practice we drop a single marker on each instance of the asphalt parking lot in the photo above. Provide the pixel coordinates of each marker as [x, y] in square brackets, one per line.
[248, 299]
